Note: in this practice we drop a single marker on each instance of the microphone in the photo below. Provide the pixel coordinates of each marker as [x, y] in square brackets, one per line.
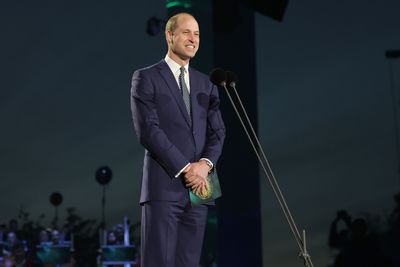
[231, 78]
[218, 77]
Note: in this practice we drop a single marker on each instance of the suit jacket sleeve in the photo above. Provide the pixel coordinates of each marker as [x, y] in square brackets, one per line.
[215, 133]
[147, 128]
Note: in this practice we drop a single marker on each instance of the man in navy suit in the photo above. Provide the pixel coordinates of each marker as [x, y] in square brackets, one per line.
[177, 119]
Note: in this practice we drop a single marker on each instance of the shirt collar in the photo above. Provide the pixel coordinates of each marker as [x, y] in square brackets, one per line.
[175, 67]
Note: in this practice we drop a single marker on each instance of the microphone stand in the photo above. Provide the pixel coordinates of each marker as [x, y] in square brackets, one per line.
[300, 240]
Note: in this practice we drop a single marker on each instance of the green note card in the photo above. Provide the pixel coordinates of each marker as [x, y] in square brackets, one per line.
[214, 191]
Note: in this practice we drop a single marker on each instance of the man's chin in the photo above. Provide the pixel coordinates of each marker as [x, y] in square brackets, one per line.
[191, 55]
[187, 56]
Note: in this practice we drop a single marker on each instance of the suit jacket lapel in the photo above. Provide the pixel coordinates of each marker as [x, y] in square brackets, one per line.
[174, 88]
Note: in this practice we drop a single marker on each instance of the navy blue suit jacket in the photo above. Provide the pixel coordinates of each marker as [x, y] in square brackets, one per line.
[163, 127]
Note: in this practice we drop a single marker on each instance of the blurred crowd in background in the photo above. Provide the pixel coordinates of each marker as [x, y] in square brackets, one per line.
[367, 241]
[22, 240]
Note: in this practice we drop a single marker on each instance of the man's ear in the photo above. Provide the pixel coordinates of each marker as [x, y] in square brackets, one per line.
[169, 37]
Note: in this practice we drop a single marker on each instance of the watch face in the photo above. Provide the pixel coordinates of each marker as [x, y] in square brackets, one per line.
[209, 164]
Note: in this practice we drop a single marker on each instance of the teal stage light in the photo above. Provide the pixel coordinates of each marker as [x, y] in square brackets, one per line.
[178, 3]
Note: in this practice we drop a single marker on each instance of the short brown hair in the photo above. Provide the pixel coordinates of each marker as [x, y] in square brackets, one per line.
[172, 21]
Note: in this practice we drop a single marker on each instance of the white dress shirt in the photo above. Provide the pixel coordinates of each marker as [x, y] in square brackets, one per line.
[176, 71]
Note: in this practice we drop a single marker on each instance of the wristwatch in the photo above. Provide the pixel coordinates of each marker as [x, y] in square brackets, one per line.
[209, 165]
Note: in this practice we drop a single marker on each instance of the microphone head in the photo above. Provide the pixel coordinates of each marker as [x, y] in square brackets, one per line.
[231, 78]
[218, 77]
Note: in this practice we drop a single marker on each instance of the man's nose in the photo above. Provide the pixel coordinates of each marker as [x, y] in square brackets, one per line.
[192, 37]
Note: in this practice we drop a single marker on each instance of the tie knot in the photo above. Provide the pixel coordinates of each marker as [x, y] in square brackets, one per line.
[182, 70]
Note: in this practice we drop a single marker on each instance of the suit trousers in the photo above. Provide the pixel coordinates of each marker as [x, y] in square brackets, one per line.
[172, 233]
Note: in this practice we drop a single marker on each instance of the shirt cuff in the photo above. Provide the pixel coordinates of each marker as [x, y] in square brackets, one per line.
[180, 172]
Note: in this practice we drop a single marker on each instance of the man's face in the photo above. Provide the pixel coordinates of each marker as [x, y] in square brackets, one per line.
[185, 39]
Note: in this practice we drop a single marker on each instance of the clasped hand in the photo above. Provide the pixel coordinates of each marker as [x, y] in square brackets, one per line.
[195, 177]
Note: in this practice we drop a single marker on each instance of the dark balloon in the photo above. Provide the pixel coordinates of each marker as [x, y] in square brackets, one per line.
[56, 199]
[103, 175]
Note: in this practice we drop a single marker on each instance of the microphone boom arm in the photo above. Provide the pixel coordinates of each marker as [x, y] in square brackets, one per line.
[262, 158]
